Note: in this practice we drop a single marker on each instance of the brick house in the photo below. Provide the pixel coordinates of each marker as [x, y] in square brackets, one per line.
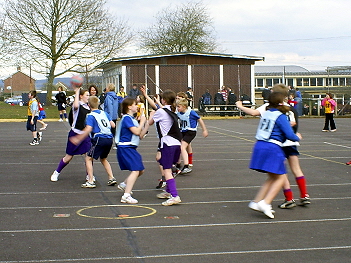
[19, 82]
[201, 71]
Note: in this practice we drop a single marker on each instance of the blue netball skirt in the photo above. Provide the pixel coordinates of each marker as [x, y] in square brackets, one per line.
[82, 148]
[268, 158]
[129, 159]
[42, 115]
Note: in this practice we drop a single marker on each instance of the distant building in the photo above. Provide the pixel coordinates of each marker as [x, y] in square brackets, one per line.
[312, 84]
[19, 83]
[334, 79]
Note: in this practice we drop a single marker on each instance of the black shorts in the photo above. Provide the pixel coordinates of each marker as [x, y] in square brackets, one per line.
[100, 147]
[290, 151]
[188, 136]
[61, 106]
[32, 127]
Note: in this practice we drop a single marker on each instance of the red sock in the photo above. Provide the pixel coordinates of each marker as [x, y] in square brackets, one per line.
[288, 194]
[190, 157]
[301, 183]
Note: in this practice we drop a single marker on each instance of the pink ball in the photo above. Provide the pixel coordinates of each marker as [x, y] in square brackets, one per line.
[77, 80]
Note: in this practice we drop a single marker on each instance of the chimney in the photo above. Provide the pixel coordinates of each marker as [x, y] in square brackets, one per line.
[18, 68]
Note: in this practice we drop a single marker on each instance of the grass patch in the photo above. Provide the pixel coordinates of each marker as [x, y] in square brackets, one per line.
[20, 112]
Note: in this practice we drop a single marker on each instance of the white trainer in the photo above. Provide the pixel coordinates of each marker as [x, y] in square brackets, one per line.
[253, 205]
[122, 186]
[265, 208]
[128, 199]
[164, 195]
[172, 201]
[54, 176]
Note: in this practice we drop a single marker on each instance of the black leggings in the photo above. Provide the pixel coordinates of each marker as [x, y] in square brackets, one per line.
[329, 119]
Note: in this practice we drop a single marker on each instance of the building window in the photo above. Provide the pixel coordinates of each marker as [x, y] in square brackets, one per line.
[335, 81]
[299, 82]
[342, 82]
[313, 81]
[329, 81]
[306, 82]
[348, 81]
[319, 81]
[259, 83]
[269, 82]
[290, 82]
[276, 81]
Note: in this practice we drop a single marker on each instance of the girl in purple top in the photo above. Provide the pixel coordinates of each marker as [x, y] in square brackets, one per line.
[170, 140]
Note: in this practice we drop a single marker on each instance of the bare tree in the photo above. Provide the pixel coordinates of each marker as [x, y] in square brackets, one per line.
[186, 28]
[60, 36]
[4, 43]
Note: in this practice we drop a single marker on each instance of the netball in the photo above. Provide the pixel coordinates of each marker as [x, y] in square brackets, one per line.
[77, 81]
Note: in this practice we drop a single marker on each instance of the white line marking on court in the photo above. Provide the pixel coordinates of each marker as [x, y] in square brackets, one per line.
[179, 226]
[184, 255]
[213, 127]
[180, 188]
[158, 204]
[337, 145]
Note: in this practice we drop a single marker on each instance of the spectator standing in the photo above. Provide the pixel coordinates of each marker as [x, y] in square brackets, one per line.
[102, 98]
[61, 103]
[121, 95]
[93, 90]
[329, 108]
[231, 101]
[134, 92]
[298, 99]
[121, 92]
[306, 110]
[111, 104]
[265, 94]
[190, 95]
[224, 92]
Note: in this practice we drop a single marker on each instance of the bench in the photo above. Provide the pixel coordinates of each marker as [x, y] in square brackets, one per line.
[222, 110]
[230, 110]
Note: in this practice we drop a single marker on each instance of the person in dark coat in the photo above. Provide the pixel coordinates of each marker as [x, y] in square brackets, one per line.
[231, 101]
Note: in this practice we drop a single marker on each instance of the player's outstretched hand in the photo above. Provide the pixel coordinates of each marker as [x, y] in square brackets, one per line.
[299, 135]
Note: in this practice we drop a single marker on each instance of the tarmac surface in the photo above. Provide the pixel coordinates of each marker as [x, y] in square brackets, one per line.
[44, 221]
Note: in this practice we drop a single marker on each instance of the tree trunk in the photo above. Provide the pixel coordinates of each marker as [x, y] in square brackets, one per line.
[50, 85]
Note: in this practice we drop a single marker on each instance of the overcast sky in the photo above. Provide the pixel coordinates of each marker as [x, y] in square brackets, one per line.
[309, 33]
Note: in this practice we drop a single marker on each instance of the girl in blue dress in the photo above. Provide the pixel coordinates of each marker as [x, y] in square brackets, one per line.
[268, 156]
[127, 139]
